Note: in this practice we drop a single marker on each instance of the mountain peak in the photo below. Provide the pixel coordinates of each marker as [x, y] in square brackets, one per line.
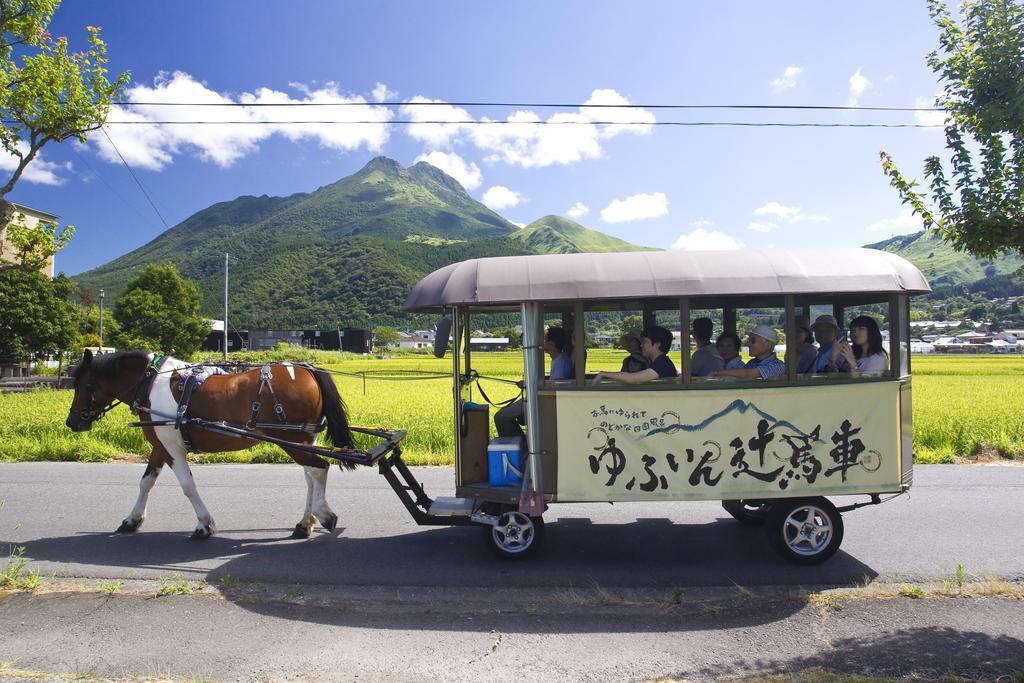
[422, 169]
[554, 234]
[384, 164]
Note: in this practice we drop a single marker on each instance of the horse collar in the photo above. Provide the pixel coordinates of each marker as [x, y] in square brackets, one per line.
[145, 384]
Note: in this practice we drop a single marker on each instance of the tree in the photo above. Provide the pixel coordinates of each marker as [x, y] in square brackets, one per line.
[981, 65]
[35, 314]
[89, 328]
[384, 337]
[47, 93]
[32, 247]
[515, 337]
[632, 322]
[159, 310]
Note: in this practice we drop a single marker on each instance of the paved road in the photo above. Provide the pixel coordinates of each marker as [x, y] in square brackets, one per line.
[204, 637]
[64, 513]
[382, 599]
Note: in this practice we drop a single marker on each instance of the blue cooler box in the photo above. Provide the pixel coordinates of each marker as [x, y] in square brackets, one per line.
[505, 461]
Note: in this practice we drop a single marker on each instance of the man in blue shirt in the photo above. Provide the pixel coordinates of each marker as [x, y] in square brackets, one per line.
[510, 419]
[655, 342]
[764, 364]
[826, 329]
[555, 343]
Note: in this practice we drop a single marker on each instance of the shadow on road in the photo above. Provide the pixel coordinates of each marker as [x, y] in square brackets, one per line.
[578, 555]
[926, 653]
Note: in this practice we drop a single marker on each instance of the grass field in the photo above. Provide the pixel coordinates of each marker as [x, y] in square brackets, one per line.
[962, 406]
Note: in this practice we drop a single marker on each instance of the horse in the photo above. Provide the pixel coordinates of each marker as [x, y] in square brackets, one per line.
[307, 396]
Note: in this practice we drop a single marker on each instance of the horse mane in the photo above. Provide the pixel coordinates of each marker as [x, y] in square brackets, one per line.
[108, 365]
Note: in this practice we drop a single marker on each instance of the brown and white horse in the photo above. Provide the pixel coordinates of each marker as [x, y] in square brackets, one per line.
[307, 395]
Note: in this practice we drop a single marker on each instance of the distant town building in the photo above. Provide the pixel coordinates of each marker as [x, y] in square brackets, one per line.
[412, 340]
[32, 217]
[488, 344]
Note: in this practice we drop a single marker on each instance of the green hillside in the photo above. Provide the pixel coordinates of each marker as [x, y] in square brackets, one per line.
[943, 265]
[345, 254]
[557, 235]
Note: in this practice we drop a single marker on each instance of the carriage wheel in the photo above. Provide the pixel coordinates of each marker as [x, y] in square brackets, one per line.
[515, 536]
[747, 511]
[806, 530]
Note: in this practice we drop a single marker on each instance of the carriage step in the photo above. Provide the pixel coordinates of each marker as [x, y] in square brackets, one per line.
[451, 507]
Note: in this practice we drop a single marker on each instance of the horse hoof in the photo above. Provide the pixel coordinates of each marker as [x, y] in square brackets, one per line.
[330, 522]
[128, 527]
[201, 534]
[302, 531]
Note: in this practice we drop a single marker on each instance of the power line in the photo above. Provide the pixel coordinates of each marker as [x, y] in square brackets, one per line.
[104, 181]
[135, 178]
[471, 122]
[532, 105]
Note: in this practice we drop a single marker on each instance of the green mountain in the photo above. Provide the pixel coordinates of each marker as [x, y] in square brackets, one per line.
[345, 254]
[943, 265]
[557, 235]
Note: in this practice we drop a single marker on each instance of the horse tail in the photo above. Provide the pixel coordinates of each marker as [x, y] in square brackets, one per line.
[334, 411]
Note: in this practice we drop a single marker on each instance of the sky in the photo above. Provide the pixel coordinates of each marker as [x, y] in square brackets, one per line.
[682, 187]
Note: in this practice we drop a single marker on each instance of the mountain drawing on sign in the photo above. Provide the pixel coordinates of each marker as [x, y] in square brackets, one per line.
[738, 406]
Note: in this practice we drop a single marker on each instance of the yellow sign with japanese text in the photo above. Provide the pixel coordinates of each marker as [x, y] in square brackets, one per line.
[720, 444]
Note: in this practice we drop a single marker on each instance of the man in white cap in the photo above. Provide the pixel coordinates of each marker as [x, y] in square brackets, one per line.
[826, 329]
[763, 364]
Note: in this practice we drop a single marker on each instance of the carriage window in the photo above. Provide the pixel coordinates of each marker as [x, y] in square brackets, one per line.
[558, 340]
[615, 341]
[705, 327]
[843, 340]
[868, 330]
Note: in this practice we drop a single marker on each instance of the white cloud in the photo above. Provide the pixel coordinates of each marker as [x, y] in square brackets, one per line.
[787, 214]
[577, 211]
[905, 223]
[701, 223]
[381, 93]
[224, 142]
[705, 240]
[636, 208]
[609, 111]
[787, 81]
[455, 166]
[858, 84]
[39, 170]
[429, 130]
[779, 210]
[928, 118]
[500, 197]
[525, 139]
[519, 225]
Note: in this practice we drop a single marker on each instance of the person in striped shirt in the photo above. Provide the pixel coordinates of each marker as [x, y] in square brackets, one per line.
[763, 364]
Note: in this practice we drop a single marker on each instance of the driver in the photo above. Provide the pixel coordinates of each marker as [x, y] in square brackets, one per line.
[509, 420]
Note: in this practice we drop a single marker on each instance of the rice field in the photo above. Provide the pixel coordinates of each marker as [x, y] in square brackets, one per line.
[963, 406]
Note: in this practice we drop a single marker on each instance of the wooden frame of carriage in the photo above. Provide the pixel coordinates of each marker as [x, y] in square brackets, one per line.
[771, 451]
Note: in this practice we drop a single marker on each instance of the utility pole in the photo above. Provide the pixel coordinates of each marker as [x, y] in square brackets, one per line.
[101, 320]
[225, 306]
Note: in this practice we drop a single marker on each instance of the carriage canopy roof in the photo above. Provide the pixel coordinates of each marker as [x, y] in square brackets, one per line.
[654, 274]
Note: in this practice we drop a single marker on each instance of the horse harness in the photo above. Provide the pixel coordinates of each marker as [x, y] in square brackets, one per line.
[194, 379]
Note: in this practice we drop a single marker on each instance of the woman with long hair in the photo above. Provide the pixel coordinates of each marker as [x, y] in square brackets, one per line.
[864, 353]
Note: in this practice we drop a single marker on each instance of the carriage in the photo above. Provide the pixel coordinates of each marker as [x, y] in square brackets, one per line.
[773, 451]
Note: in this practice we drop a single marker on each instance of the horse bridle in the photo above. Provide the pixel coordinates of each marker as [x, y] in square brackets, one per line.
[92, 414]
